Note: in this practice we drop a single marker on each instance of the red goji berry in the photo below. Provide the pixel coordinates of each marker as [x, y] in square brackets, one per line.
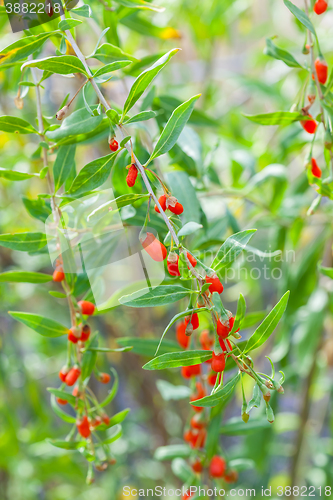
[320, 7]
[83, 426]
[199, 439]
[231, 476]
[206, 341]
[132, 175]
[162, 202]
[190, 371]
[216, 285]
[87, 308]
[197, 423]
[192, 259]
[197, 466]
[217, 466]
[218, 362]
[106, 419]
[181, 336]
[104, 378]
[194, 320]
[154, 247]
[72, 375]
[62, 401]
[321, 70]
[85, 329]
[172, 264]
[63, 373]
[310, 126]
[223, 328]
[200, 393]
[211, 379]
[178, 209]
[74, 334]
[58, 274]
[315, 170]
[223, 343]
[113, 145]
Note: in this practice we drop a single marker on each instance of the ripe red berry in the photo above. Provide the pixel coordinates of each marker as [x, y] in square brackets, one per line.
[321, 69]
[192, 259]
[87, 308]
[199, 439]
[315, 169]
[217, 466]
[197, 466]
[205, 340]
[223, 328]
[178, 209]
[85, 332]
[194, 320]
[310, 126]
[320, 7]
[114, 145]
[188, 436]
[190, 371]
[196, 422]
[162, 202]
[58, 274]
[63, 373]
[216, 285]
[74, 334]
[199, 394]
[132, 175]
[154, 247]
[172, 264]
[83, 426]
[72, 375]
[75, 392]
[181, 336]
[62, 401]
[104, 378]
[106, 419]
[218, 362]
[222, 343]
[211, 379]
[231, 476]
[186, 496]
[96, 421]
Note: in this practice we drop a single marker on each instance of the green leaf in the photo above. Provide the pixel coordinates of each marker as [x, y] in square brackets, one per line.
[240, 314]
[15, 125]
[301, 16]
[280, 54]
[63, 166]
[108, 53]
[173, 392]
[145, 79]
[172, 451]
[177, 359]
[183, 189]
[83, 11]
[67, 396]
[115, 434]
[125, 141]
[113, 391]
[24, 47]
[58, 295]
[93, 175]
[24, 277]
[24, 242]
[140, 4]
[276, 118]
[39, 208]
[62, 65]
[255, 400]
[67, 445]
[173, 128]
[327, 271]
[122, 201]
[189, 228]
[231, 248]
[68, 24]
[183, 471]
[140, 117]
[218, 396]
[89, 358]
[44, 326]
[236, 426]
[147, 347]
[108, 68]
[159, 296]
[107, 349]
[79, 122]
[116, 419]
[266, 328]
[12, 175]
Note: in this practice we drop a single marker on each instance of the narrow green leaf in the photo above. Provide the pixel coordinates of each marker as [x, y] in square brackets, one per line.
[116, 434]
[67, 445]
[327, 271]
[44, 326]
[63, 166]
[266, 328]
[218, 396]
[24, 242]
[24, 277]
[108, 53]
[240, 314]
[107, 349]
[40, 209]
[280, 54]
[24, 47]
[58, 295]
[113, 391]
[159, 296]
[236, 426]
[115, 420]
[109, 68]
[89, 359]
[145, 79]
[58, 393]
[93, 175]
[173, 128]
[140, 117]
[79, 122]
[61, 414]
[68, 24]
[62, 65]
[15, 125]
[140, 4]
[83, 11]
[147, 347]
[276, 118]
[189, 228]
[12, 175]
[231, 248]
[301, 16]
[177, 359]
[172, 451]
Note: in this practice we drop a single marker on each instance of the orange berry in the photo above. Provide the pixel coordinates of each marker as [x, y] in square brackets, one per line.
[154, 247]
[194, 320]
[321, 70]
[316, 172]
[104, 378]
[62, 401]
[162, 202]
[83, 426]
[181, 336]
[177, 209]
[87, 308]
[58, 274]
[114, 145]
[132, 175]
[218, 362]
[72, 375]
[320, 7]
[217, 466]
[190, 371]
[216, 285]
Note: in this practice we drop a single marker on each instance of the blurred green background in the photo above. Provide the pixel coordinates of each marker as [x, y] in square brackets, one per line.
[244, 176]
